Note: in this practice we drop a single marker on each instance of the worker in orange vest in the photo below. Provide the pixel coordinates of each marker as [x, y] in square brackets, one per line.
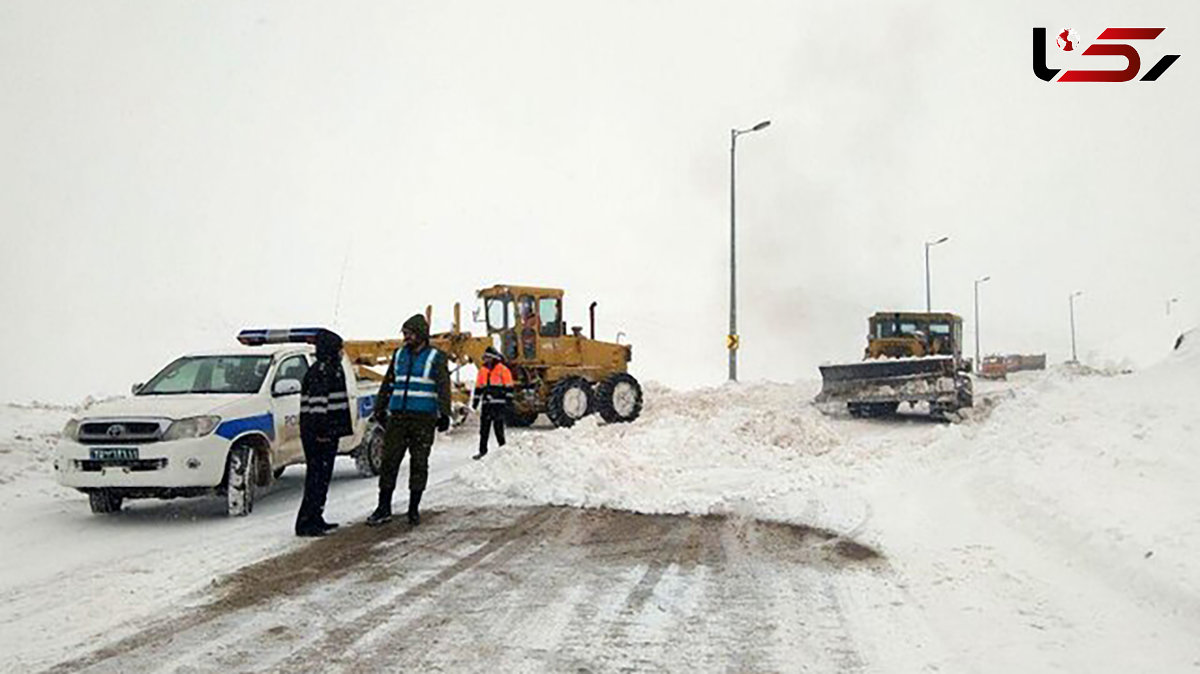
[493, 389]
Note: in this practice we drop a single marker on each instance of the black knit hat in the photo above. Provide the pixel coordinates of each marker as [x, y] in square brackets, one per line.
[491, 352]
[418, 325]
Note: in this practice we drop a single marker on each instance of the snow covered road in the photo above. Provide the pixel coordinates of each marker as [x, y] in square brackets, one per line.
[1056, 530]
[523, 589]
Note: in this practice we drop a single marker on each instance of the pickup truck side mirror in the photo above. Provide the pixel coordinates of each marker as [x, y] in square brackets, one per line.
[286, 387]
[136, 387]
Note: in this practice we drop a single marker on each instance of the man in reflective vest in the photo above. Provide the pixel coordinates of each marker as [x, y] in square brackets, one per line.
[493, 388]
[415, 397]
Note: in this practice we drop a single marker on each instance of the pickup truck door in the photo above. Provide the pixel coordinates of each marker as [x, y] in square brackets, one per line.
[286, 410]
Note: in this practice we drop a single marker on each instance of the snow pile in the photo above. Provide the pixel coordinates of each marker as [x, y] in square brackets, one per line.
[1102, 451]
[1080, 482]
[711, 450]
[28, 434]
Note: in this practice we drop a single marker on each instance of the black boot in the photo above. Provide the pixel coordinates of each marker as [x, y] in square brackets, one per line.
[383, 513]
[414, 502]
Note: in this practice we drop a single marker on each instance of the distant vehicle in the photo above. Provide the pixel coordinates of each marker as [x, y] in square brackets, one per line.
[993, 367]
[1018, 362]
[222, 422]
[910, 357]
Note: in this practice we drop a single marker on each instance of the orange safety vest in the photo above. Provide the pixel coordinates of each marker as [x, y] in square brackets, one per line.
[493, 386]
[499, 375]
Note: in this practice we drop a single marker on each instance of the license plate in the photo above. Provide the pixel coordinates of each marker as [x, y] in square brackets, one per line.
[114, 453]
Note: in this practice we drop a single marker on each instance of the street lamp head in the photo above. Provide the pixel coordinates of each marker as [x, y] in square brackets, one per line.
[985, 278]
[757, 127]
[1077, 293]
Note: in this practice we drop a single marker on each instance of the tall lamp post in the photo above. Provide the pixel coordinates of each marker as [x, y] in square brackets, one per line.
[1171, 301]
[1071, 303]
[977, 282]
[732, 340]
[928, 296]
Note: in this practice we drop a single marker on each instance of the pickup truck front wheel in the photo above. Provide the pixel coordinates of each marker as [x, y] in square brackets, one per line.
[105, 502]
[241, 479]
[368, 457]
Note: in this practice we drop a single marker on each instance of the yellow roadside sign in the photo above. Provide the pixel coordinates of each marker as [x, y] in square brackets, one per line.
[732, 342]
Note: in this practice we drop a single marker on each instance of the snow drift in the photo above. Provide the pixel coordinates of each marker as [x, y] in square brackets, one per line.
[699, 452]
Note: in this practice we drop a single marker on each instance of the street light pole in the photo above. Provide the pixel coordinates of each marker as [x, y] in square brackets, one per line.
[1171, 301]
[928, 295]
[732, 344]
[1071, 302]
[977, 282]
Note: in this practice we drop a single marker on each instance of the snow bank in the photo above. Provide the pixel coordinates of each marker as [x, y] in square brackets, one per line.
[712, 450]
[27, 437]
[1115, 452]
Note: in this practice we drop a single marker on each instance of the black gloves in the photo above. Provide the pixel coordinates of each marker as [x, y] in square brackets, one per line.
[443, 423]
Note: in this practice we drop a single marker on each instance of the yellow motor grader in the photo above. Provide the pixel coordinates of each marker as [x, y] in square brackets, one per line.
[562, 374]
[910, 357]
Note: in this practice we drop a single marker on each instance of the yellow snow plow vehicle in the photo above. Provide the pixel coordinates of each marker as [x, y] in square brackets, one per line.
[910, 358]
[562, 374]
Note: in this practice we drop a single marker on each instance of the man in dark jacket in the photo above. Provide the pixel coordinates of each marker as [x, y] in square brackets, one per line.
[493, 388]
[415, 397]
[324, 418]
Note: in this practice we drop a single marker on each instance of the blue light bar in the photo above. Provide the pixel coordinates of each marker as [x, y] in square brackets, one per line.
[283, 336]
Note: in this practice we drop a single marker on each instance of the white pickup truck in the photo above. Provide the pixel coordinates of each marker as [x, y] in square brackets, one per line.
[222, 422]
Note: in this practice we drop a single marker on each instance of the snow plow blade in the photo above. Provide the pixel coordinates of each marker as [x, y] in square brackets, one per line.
[878, 386]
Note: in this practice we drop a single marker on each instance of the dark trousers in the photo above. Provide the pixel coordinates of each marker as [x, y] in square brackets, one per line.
[318, 461]
[410, 434]
[492, 417]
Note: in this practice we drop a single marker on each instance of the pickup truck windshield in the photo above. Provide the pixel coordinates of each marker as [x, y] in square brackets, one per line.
[210, 374]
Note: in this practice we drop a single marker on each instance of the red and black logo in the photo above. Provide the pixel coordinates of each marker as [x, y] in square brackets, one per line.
[1067, 41]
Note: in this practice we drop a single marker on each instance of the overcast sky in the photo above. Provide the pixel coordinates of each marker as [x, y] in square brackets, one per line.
[175, 171]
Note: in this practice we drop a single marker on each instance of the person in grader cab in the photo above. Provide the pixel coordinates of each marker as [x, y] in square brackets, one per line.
[324, 418]
[493, 388]
[413, 400]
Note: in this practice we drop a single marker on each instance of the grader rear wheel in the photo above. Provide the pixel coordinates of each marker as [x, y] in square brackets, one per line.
[570, 401]
[619, 398]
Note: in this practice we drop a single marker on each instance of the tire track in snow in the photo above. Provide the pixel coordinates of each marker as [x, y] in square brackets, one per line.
[594, 590]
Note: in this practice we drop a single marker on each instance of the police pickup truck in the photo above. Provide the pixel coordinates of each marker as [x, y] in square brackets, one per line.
[222, 422]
